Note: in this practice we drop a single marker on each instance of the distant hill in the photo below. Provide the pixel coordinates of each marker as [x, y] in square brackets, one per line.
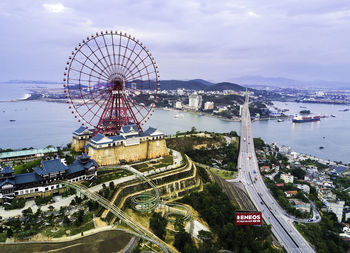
[225, 86]
[177, 84]
[287, 82]
[203, 81]
[199, 84]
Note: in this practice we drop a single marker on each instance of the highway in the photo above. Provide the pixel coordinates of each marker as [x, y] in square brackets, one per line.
[251, 178]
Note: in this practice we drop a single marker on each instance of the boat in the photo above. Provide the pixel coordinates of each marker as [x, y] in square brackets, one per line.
[302, 119]
[332, 116]
[12, 120]
[179, 115]
[280, 120]
[321, 147]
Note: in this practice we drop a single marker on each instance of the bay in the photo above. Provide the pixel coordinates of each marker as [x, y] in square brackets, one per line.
[39, 123]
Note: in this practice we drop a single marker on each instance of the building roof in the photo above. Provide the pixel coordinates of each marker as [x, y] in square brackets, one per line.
[7, 181]
[126, 132]
[339, 169]
[100, 138]
[6, 170]
[27, 178]
[50, 166]
[292, 192]
[151, 131]
[82, 131]
[75, 168]
[28, 152]
[129, 129]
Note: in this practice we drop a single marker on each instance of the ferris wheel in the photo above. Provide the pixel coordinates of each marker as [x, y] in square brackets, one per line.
[111, 80]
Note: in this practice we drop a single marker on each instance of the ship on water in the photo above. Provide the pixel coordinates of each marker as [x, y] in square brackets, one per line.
[301, 119]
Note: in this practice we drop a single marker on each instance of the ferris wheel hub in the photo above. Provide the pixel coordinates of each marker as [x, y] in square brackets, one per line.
[118, 84]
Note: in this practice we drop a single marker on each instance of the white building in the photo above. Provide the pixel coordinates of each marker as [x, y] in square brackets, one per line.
[195, 101]
[287, 178]
[178, 105]
[208, 105]
[304, 187]
[180, 92]
[336, 207]
[285, 150]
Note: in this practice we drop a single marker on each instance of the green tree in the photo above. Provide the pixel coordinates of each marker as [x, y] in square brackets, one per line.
[9, 233]
[183, 242]
[80, 218]
[111, 186]
[66, 220]
[158, 225]
[299, 173]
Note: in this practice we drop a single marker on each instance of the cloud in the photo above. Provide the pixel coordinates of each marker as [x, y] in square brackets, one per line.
[214, 40]
[54, 8]
[252, 14]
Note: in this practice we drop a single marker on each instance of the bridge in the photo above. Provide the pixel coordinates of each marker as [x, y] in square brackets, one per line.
[249, 175]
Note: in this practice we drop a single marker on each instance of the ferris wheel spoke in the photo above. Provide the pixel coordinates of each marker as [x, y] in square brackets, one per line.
[131, 52]
[120, 42]
[87, 58]
[133, 61]
[140, 72]
[89, 109]
[78, 80]
[139, 103]
[114, 59]
[86, 66]
[78, 71]
[90, 100]
[140, 76]
[142, 60]
[130, 110]
[138, 111]
[109, 55]
[125, 49]
[97, 58]
[145, 66]
[103, 56]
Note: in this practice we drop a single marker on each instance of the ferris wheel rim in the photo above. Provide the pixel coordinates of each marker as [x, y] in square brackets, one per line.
[129, 72]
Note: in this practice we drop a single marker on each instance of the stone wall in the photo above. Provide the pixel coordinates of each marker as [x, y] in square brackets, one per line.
[113, 155]
[78, 145]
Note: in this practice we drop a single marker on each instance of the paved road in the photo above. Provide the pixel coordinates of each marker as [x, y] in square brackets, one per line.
[250, 176]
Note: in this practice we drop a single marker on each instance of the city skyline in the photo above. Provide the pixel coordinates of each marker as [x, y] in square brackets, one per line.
[189, 39]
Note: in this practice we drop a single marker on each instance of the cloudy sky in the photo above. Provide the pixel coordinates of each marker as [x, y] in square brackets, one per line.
[210, 39]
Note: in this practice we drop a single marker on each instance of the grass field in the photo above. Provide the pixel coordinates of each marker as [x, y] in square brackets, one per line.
[223, 173]
[106, 242]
